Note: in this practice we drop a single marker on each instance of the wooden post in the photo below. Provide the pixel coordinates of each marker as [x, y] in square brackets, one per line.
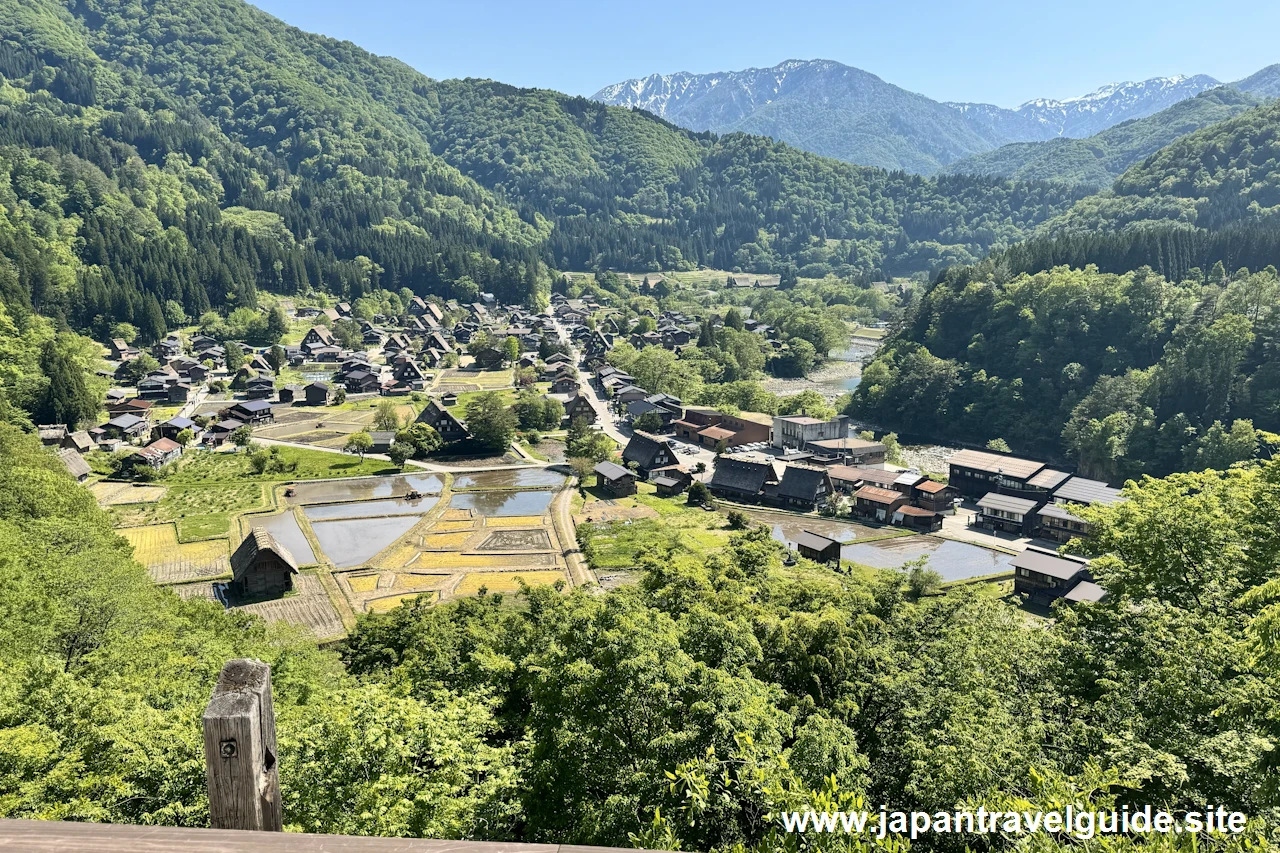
[240, 750]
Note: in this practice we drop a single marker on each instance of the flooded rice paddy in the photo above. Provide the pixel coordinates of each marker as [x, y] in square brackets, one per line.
[366, 488]
[952, 560]
[353, 541]
[500, 504]
[370, 509]
[285, 529]
[529, 478]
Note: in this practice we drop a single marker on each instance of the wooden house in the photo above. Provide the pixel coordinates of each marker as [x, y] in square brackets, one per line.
[261, 567]
[815, 546]
[802, 487]
[1006, 513]
[1044, 575]
[160, 452]
[742, 477]
[649, 452]
[615, 480]
[975, 473]
[170, 428]
[316, 394]
[316, 337]
[251, 412]
[917, 518]
[217, 434]
[876, 503]
[1055, 520]
[361, 382]
[443, 421]
[934, 496]
[670, 480]
[578, 407]
[75, 464]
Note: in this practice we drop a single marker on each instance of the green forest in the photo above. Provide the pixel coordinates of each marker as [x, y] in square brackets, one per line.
[1122, 374]
[679, 713]
[201, 151]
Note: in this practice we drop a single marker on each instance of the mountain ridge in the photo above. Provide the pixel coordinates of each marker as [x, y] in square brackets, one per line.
[841, 111]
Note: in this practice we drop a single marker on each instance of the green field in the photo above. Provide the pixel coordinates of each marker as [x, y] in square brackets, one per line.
[201, 466]
[623, 544]
[200, 511]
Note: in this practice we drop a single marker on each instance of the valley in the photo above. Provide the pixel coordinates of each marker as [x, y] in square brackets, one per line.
[631, 471]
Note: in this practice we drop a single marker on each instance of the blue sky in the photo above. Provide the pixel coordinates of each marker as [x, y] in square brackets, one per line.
[991, 51]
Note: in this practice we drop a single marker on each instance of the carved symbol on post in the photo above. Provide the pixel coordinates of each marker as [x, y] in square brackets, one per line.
[240, 750]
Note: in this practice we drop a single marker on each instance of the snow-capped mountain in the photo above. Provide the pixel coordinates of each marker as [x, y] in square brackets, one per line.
[1111, 104]
[833, 109]
[821, 106]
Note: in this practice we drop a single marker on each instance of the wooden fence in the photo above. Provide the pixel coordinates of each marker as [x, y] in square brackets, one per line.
[244, 797]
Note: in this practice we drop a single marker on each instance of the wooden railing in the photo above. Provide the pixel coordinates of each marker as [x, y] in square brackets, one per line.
[244, 797]
[46, 836]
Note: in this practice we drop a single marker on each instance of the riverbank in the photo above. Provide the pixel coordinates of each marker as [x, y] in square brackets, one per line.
[833, 380]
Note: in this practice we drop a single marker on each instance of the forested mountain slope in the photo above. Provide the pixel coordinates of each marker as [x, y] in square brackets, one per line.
[290, 160]
[1122, 375]
[1100, 159]
[1226, 175]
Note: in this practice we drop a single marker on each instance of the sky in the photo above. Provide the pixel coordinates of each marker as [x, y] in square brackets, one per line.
[994, 51]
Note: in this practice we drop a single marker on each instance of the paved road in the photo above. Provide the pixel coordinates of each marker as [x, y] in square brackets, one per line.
[609, 423]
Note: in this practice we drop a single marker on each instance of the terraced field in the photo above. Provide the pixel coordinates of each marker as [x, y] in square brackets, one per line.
[479, 562]
[446, 541]
[390, 602]
[505, 581]
[123, 494]
[309, 607]
[515, 521]
[156, 546]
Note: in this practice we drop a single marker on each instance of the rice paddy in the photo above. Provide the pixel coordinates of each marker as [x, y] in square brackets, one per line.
[454, 559]
[406, 581]
[362, 583]
[390, 602]
[505, 581]
[445, 541]
[514, 521]
[156, 546]
[455, 525]
[123, 494]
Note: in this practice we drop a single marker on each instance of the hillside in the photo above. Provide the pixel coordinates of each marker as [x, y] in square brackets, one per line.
[289, 161]
[1100, 159]
[1225, 175]
[1263, 84]
[1122, 375]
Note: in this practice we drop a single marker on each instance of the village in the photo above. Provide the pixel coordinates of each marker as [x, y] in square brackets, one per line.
[294, 480]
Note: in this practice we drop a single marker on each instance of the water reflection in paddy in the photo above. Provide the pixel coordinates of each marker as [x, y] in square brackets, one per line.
[511, 479]
[285, 529]
[370, 509]
[366, 488]
[354, 541]
[952, 560]
[498, 504]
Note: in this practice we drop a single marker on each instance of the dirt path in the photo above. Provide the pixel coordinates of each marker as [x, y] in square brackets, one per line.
[562, 517]
[426, 466]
